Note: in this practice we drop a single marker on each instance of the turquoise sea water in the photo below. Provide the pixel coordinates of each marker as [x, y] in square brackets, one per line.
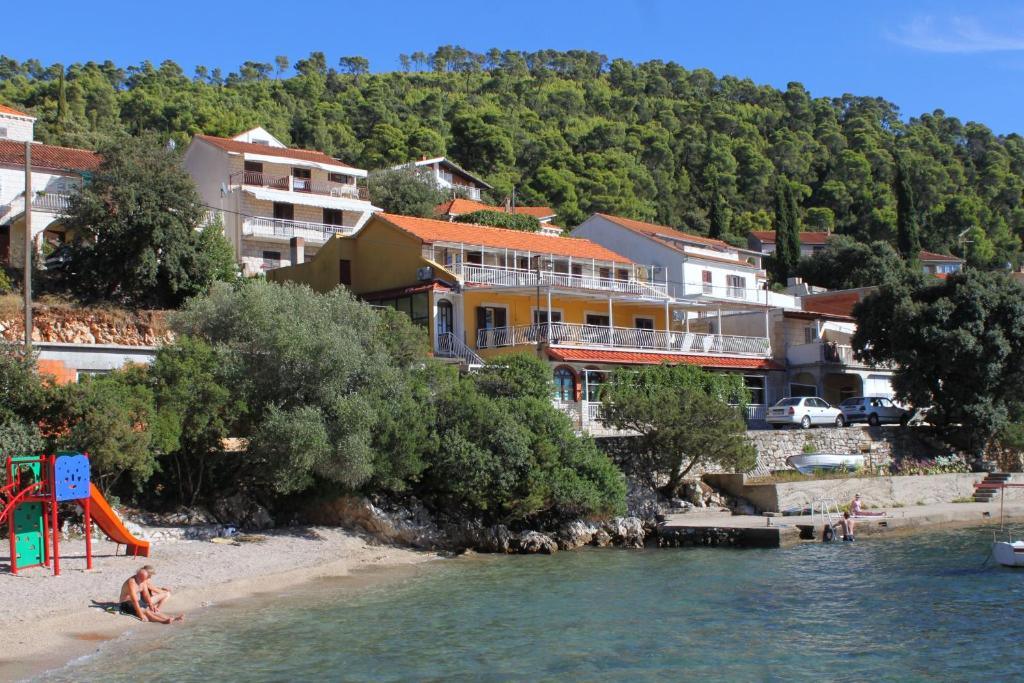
[895, 609]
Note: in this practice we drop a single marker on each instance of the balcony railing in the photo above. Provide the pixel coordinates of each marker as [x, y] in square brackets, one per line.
[450, 346]
[624, 338]
[277, 227]
[827, 352]
[54, 202]
[290, 183]
[501, 276]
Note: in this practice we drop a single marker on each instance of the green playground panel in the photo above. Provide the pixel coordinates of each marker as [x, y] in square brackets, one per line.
[28, 534]
[22, 462]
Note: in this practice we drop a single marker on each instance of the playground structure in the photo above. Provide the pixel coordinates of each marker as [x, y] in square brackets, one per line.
[36, 485]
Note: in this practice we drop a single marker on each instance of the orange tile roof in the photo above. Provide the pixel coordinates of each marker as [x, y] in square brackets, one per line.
[647, 358]
[229, 145]
[460, 206]
[430, 230]
[653, 229]
[806, 237]
[932, 256]
[49, 156]
[14, 112]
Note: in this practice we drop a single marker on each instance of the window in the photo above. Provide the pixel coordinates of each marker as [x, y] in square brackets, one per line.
[284, 211]
[261, 141]
[644, 323]
[705, 278]
[334, 217]
[755, 387]
[416, 306]
[565, 384]
[577, 269]
[622, 274]
[522, 263]
[445, 317]
[488, 321]
[303, 179]
[595, 319]
[3, 132]
[345, 272]
[342, 178]
[562, 267]
[810, 334]
[474, 257]
[271, 259]
[737, 286]
[540, 317]
[803, 390]
[604, 273]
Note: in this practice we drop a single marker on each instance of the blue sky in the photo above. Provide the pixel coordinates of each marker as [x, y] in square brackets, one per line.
[966, 58]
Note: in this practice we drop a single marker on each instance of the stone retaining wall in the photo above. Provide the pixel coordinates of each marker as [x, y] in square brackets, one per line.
[879, 445]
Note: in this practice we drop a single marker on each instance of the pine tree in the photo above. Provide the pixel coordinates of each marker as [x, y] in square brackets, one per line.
[908, 235]
[718, 216]
[787, 231]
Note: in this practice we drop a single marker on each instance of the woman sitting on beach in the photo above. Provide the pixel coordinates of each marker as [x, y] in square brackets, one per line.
[140, 599]
[858, 511]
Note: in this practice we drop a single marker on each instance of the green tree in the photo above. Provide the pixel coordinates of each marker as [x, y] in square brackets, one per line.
[405, 191]
[684, 417]
[845, 263]
[957, 344]
[908, 239]
[23, 402]
[135, 226]
[787, 232]
[500, 219]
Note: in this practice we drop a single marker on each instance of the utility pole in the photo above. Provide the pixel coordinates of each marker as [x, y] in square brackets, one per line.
[27, 278]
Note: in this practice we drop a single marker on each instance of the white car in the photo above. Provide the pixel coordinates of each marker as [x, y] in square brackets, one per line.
[804, 411]
[874, 410]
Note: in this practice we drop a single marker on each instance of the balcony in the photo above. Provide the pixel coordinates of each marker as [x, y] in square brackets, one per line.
[499, 276]
[624, 339]
[285, 229]
[290, 183]
[826, 353]
[51, 202]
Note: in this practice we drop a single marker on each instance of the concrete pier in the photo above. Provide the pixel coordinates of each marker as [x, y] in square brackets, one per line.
[716, 528]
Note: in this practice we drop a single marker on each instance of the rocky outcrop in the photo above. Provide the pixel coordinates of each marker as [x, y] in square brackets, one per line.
[242, 511]
[90, 326]
[408, 525]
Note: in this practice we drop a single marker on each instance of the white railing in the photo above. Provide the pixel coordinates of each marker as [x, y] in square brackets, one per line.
[295, 184]
[55, 202]
[826, 352]
[450, 346]
[629, 338]
[756, 412]
[278, 227]
[501, 276]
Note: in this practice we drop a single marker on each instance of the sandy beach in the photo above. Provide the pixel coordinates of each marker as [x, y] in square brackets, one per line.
[48, 621]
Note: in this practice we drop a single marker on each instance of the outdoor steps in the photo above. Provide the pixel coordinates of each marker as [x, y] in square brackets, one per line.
[984, 492]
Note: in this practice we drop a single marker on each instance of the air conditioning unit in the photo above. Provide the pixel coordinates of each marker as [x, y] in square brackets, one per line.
[424, 274]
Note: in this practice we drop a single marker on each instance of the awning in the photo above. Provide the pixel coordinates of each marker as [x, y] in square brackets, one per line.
[309, 199]
[305, 163]
[645, 358]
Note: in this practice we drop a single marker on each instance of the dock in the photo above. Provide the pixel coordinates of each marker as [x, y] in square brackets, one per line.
[714, 528]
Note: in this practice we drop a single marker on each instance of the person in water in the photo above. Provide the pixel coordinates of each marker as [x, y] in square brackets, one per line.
[139, 599]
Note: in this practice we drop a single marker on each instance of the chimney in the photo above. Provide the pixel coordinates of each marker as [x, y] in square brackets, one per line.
[297, 246]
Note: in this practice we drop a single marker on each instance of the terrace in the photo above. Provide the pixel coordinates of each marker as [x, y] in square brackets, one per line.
[587, 276]
[291, 183]
[257, 226]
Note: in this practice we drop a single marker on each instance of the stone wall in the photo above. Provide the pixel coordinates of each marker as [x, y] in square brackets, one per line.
[89, 326]
[879, 445]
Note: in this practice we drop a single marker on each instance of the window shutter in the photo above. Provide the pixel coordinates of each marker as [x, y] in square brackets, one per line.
[345, 271]
[500, 317]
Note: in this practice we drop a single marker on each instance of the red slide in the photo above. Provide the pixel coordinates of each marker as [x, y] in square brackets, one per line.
[106, 520]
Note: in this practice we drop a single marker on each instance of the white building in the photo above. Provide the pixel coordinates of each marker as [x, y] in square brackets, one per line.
[763, 242]
[268, 193]
[450, 176]
[56, 173]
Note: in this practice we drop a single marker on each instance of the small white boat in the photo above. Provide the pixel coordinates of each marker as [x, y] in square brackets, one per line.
[809, 463]
[1009, 554]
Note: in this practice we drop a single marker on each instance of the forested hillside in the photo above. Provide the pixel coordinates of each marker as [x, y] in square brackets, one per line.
[578, 132]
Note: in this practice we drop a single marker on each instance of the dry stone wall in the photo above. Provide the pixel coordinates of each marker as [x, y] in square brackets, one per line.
[89, 326]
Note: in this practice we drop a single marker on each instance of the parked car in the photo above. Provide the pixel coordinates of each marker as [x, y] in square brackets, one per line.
[874, 410]
[804, 411]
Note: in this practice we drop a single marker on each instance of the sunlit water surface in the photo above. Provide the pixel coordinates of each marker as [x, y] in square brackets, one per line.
[915, 608]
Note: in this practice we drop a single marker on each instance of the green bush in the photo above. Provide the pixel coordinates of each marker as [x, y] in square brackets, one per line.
[500, 219]
[6, 286]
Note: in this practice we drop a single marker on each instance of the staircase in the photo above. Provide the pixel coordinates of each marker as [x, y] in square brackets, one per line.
[987, 489]
[450, 346]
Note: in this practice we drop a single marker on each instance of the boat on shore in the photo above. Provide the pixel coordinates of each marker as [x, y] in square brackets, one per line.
[1009, 553]
[809, 463]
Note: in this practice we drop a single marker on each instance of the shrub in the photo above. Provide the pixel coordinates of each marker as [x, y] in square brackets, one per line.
[500, 219]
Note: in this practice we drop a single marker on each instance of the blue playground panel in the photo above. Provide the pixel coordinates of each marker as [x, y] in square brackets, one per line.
[71, 477]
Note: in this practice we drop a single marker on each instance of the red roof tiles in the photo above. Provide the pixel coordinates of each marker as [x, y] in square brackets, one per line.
[806, 237]
[49, 156]
[229, 145]
[663, 230]
[460, 206]
[430, 231]
[14, 112]
[932, 256]
[647, 358]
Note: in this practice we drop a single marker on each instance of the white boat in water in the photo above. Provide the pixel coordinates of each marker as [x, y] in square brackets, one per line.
[1009, 554]
[808, 463]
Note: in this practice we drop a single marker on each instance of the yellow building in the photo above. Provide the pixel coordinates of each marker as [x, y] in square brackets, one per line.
[483, 291]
